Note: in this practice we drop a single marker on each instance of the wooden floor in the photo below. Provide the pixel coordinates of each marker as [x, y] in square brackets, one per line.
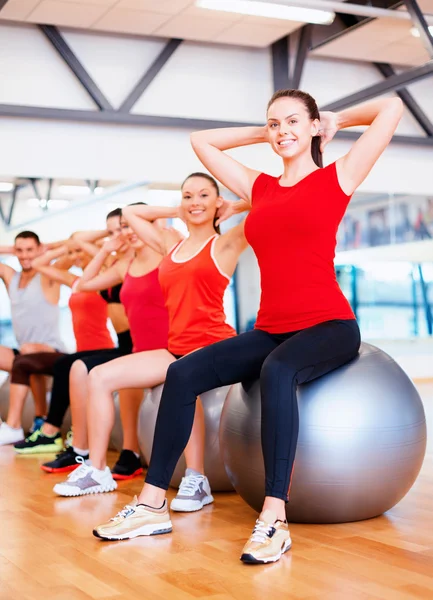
[47, 550]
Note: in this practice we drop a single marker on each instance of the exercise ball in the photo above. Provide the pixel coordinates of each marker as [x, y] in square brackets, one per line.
[29, 406]
[361, 442]
[213, 402]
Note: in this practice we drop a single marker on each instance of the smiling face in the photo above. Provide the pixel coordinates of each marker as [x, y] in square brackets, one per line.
[290, 127]
[77, 256]
[114, 229]
[200, 201]
[130, 235]
[26, 249]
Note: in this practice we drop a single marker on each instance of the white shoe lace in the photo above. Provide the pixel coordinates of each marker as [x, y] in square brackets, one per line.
[188, 485]
[125, 512]
[82, 470]
[261, 532]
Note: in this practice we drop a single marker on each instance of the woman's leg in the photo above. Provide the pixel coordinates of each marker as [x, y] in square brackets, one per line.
[224, 363]
[303, 357]
[38, 383]
[130, 400]
[194, 450]
[140, 370]
[78, 390]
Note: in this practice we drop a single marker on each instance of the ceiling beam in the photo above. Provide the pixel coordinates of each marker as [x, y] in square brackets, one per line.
[391, 84]
[409, 101]
[117, 118]
[150, 75]
[59, 43]
[420, 23]
[301, 55]
[280, 64]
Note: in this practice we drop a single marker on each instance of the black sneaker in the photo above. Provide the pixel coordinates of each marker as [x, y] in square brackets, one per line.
[128, 466]
[64, 462]
[38, 443]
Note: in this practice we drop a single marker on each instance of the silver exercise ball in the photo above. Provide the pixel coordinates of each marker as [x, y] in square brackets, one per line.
[213, 402]
[361, 442]
[29, 406]
[116, 436]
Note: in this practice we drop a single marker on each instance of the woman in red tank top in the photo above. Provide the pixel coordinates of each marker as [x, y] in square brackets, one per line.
[193, 275]
[305, 327]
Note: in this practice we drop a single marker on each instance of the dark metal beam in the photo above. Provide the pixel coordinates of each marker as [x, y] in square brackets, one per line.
[113, 117]
[150, 75]
[391, 84]
[409, 101]
[301, 55]
[280, 64]
[59, 43]
[421, 24]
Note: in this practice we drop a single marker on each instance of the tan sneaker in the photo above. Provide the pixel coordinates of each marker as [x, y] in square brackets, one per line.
[269, 540]
[135, 520]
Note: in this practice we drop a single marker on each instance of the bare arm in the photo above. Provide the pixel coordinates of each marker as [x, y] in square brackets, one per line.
[87, 240]
[140, 218]
[6, 273]
[93, 279]
[210, 145]
[382, 117]
[7, 250]
[42, 264]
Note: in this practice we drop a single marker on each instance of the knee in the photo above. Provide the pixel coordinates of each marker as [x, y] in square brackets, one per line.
[99, 377]
[28, 349]
[78, 370]
[274, 367]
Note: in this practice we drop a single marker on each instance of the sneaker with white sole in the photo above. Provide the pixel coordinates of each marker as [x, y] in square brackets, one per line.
[269, 540]
[135, 520]
[194, 493]
[86, 480]
[10, 435]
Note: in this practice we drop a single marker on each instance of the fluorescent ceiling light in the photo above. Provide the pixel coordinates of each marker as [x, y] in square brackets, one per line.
[6, 186]
[74, 189]
[415, 32]
[270, 10]
[53, 203]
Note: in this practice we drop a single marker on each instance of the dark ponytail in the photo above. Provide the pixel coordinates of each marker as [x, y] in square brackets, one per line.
[215, 185]
[311, 106]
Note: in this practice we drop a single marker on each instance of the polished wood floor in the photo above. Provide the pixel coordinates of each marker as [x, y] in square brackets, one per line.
[47, 551]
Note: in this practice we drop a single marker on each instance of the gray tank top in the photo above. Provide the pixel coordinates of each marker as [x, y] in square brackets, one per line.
[34, 319]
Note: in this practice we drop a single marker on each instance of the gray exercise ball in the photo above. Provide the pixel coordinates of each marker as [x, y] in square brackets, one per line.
[213, 402]
[361, 442]
[29, 406]
[116, 436]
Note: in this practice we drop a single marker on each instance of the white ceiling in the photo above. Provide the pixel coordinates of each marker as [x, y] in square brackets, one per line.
[384, 40]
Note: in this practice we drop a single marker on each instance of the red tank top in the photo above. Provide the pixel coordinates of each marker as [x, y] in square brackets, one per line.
[194, 293]
[144, 306]
[292, 231]
[89, 321]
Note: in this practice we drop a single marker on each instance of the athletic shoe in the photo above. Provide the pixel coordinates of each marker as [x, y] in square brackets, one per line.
[39, 443]
[9, 435]
[135, 520]
[64, 462]
[37, 424]
[194, 493]
[128, 466]
[269, 540]
[69, 441]
[86, 480]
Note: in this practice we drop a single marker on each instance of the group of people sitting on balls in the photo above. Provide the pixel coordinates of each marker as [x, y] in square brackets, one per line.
[164, 296]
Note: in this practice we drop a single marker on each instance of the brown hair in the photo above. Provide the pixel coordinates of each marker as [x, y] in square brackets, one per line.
[214, 184]
[311, 106]
[28, 235]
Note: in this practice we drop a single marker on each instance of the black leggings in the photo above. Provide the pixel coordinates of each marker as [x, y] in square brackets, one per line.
[60, 398]
[282, 361]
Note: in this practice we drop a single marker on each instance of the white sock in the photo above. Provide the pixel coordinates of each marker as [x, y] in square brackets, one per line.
[80, 451]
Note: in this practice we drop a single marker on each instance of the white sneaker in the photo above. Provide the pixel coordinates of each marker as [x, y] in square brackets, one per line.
[9, 435]
[86, 480]
[194, 493]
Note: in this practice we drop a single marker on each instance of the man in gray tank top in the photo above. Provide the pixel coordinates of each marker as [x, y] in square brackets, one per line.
[35, 315]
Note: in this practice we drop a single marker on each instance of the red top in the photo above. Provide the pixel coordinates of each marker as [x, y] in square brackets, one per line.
[292, 231]
[194, 295]
[89, 320]
[144, 306]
